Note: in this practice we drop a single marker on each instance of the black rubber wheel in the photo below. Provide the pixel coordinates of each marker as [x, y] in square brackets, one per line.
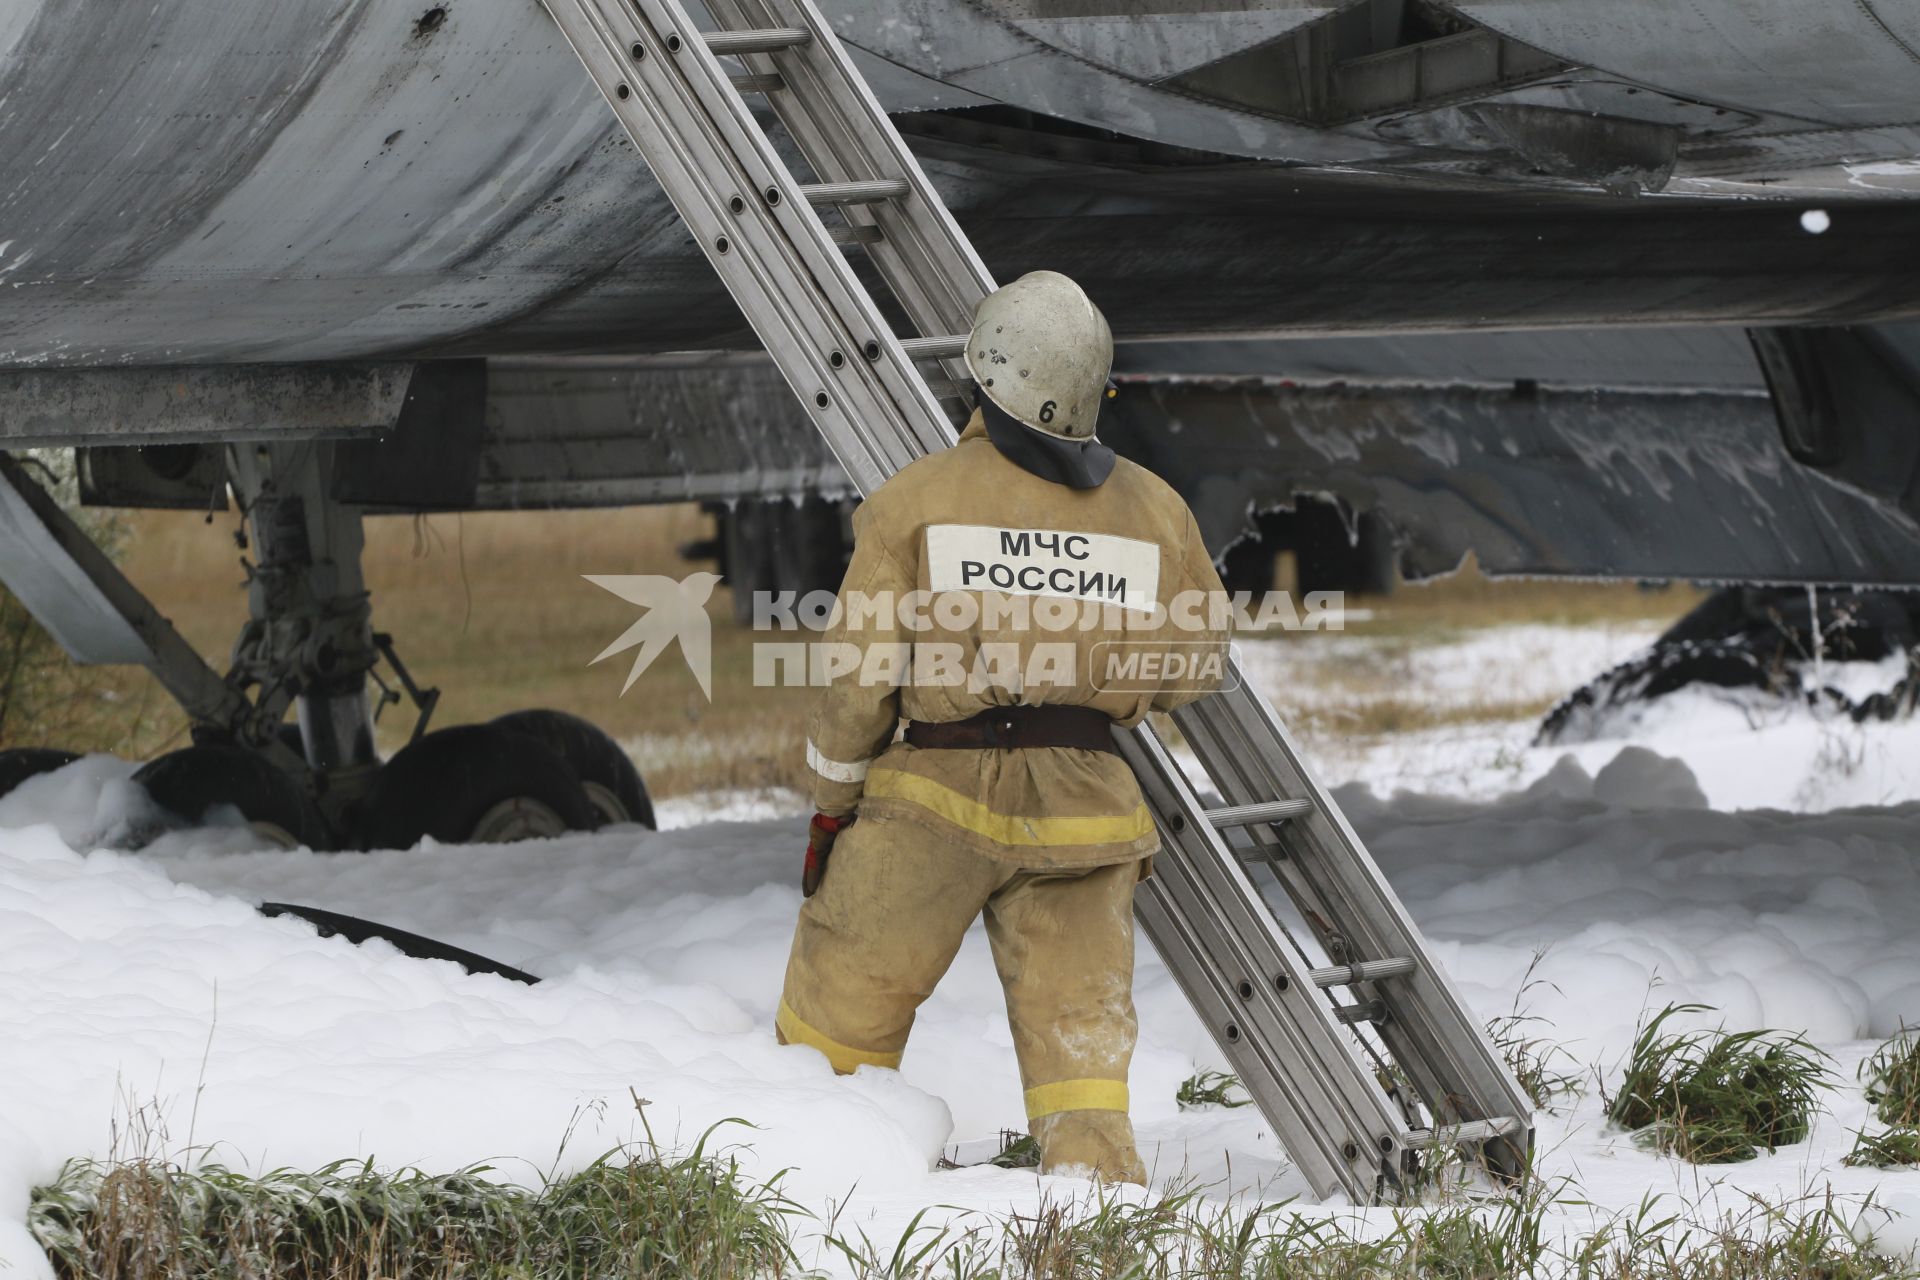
[612, 783]
[21, 763]
[474, 783]
[189, 782]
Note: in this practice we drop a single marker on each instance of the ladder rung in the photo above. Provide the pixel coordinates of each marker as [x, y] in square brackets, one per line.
[1460, 1135]
[1366, 1011]
[770, 40]
[759, 84]
[935, 348]
[1252, 815]
[1345, 975]
[857, 234]
[854, 192]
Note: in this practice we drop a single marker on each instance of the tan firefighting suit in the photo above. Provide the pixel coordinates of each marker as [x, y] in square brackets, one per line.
[1048, 842]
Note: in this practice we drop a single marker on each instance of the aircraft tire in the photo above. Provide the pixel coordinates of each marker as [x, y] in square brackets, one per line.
[612, 783]
[474, 784]
[20, 763]
[189, 782]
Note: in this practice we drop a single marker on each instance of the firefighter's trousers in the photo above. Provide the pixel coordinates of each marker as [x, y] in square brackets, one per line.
[888, 921]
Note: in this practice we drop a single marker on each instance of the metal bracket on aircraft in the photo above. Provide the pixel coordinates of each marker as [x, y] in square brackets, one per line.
[44, 407]
[98, 616]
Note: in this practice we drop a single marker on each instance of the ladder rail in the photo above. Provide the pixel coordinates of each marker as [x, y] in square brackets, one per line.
[1311, 1117]
[682, 112]
[821, 68]
[1247, 752]
[928, 263]
[1336, 1122]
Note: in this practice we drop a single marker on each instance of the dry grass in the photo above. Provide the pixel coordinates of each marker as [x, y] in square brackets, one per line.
[694, 1216]
[1179, 1234]
[492, 608]
[1369, 710]
[1376, 690]
[639, 1211]
[639, 1215]
[1469, 599]
[1545, 1070]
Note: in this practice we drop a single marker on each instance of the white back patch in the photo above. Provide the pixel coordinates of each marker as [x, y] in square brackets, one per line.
[1044, 562]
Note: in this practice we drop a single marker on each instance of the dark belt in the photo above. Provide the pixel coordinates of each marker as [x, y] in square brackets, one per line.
[1015, 728]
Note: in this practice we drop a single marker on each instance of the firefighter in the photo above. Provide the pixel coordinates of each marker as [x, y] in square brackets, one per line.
[1004, 794]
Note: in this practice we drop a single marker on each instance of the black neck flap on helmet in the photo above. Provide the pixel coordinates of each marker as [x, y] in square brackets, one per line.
[1078, 464]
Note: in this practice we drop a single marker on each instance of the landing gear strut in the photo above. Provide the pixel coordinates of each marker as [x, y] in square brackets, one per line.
[308, 647]
[308, 640]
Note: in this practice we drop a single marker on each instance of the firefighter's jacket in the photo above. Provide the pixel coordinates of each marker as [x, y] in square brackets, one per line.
[964, 568]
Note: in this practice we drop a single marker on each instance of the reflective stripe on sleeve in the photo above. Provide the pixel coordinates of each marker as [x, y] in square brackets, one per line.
[834, 770]
[1076, 1095]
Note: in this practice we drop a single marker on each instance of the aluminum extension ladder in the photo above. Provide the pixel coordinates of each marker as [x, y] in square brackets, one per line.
[1358, 1087]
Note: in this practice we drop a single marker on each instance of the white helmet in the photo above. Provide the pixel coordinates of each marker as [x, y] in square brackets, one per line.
[1042, 351]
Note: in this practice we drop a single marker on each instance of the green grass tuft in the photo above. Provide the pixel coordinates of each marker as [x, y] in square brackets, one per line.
[1543, 1070]
[695, 1216]
[1540, 1067]
[1017, 1151]
[1181, 1234]
[148, 1219]
[1892, 1078]
[1210, 1089]
[1889, 1149]
[1717, 1097]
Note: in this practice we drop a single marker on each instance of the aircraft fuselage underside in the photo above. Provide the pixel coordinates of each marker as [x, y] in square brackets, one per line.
[1639, 454]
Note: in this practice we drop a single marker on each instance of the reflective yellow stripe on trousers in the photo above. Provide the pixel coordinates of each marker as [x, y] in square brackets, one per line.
[844, 1057]
[1010, 829]
[1076, 1095]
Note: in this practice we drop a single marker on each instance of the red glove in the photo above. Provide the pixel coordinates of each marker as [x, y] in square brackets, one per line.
[820, 836]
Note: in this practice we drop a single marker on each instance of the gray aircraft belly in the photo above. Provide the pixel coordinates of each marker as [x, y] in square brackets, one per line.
[180, 182]
[320, 180]
[1855, 63]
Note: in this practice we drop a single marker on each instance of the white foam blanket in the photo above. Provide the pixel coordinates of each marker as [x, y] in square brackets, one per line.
[149, 981]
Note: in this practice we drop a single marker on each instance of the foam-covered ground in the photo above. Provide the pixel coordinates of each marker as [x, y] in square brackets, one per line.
[1745, 749]
[149, 980]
